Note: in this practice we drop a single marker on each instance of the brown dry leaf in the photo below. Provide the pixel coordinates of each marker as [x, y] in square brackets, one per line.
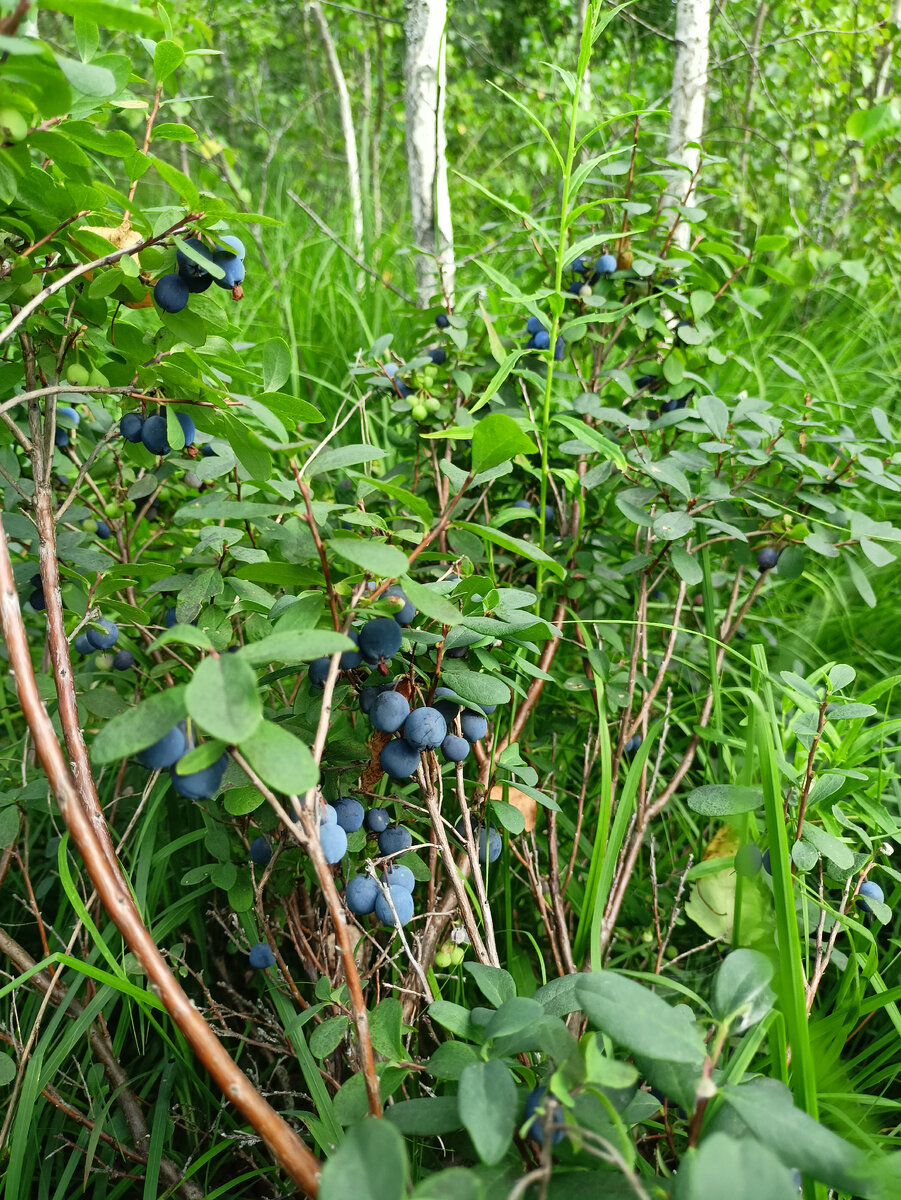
[526, 804]
[723, 844]
[121, 236]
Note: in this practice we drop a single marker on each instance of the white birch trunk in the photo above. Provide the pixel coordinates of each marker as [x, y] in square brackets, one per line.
[688, 98]
[430, 208]
[885, 67]
[347, 127]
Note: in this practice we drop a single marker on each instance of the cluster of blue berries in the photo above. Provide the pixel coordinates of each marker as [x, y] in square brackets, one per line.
[171, 292]
[102, 634]
[589, 273]
[165, 754]
[151, 432]
[377, 641]
[428, 728]
[540, 339]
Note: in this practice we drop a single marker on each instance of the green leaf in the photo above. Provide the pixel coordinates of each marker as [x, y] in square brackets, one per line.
[515, 545]
[724, 799]
[344, 456]
[239, 801]
[673, 525]
[634, 1017]
[167, 57]
[110, 15]
[328, 1036]
[497, 438]
[429, 602]
[831, 847]
[370, 1164]
[9, 825]
[687, 566]
[139, 727]
[290, 646]
[86, 78]
[451, 1059]
[452, 1016]
[514, 1015]
[592, 438]
[425, 1117]
[742, 988]
[386, 1029]
[495, 984]
[487, 1103]
[741, 1170]
[473, 686]
[276, 364]
[222, 698]
[279, 757]
[7, 1069]
[368, 555]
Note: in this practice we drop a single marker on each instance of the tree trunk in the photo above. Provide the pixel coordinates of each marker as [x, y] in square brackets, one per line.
[347, 127]
[885, 66]
[430, 208]
[687, 100]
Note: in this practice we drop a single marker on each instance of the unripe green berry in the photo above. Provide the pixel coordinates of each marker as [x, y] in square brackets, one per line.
[13, 126]
[419, 412]
[432, 404]
[77, 375]
[112, 510]
[442, 959]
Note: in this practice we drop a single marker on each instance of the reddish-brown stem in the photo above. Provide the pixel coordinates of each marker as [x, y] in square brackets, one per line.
[284, 1143]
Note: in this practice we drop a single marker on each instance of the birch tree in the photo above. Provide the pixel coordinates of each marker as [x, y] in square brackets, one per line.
[430, 208]
[687, 99]
[347, 126]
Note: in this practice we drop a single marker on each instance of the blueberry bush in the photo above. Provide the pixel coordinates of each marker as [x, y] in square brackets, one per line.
[430, 781]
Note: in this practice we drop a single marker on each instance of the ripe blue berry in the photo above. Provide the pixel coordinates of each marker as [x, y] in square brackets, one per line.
[82, 645]
[187, 428]
[232, 243]
[123, 660]
[425, 729]
[318, 671]
[473, 726]
[454, 749]
[406, 612]
[399, 760]
[442, 321]
[333, 841]
[380, 639]
[403, 906]
[534, 325]
[632, 744]
[261, 956]
[559, 348]
[328, 814]
[153, 435]
[351, 659]
[200, 785]
[536, 1129]
[494, 844]
[394, 840]
[448, 708]
[61, 437]
[260, 851]
[389, 712]
[767, 558]
[522, 504]
[542, 340]
[605, 265]
[168, 750]
[350, 813]
[171, 293]
[233, 267]
[377, 820]
[65, 411]
[103, 530]
[869, 890]
[105, 638]
[438, 355]
[361, 894]
[400, 876]
[130, 426]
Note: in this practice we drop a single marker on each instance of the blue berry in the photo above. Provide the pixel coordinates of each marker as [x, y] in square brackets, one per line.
[406, 612]
[200, 785]
[105, 639]
[449, 709]
[605, 265]
[170, 618]
[123, 660]
[872, 891]
[37, 600]
[389, 712]
[361, 894]
[442, 321]
[767, 558]
[425, 729]
[261, 956]
[534, 325]
[260, 851]
[438, 355]
[536, 1129]
[187, 428]
[400, 876]
[65, 411]
[380, 639]
[454, 748]
[350, 813]
[494, 844]
[398, 760]
[153, 435]
[168, 750]
[522, 504]
[369, 695]
[328, 815]
[473, 726]
[171, 293]
[232, 243]
[318, 671]
[233, 267]
[559, 348]
[61, 437]
[103, 530]
[403, 905]
[351, 659]
[542, 340]
[82, 645]
[333, 841]
[632, 744]
[394, 840]
[377, 820]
